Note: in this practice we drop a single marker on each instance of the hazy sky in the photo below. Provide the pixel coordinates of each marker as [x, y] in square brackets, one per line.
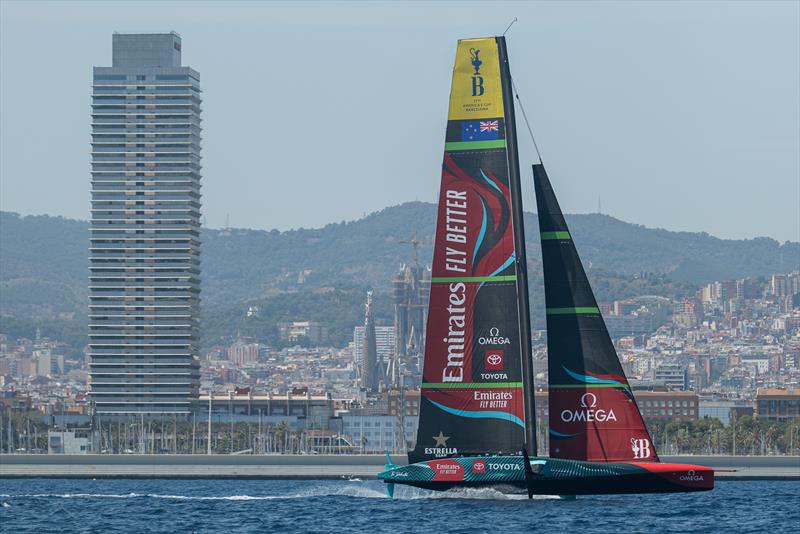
[681, 115]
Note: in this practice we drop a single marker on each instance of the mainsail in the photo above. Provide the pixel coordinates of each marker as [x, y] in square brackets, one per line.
[473, 398]
[593, 414]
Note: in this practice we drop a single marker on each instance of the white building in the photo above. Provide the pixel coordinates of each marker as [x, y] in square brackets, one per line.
[65, 442]
[376, 433]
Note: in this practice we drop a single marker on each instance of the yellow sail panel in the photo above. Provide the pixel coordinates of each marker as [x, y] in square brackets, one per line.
[476, 92]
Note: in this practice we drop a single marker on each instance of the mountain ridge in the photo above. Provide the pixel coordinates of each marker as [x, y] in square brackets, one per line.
[368, 250]
[44, 262]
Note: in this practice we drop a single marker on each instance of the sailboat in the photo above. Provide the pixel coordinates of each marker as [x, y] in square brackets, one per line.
[477, 423]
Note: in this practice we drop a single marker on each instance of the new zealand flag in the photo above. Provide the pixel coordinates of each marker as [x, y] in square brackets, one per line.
[487, 130]
[478, 130]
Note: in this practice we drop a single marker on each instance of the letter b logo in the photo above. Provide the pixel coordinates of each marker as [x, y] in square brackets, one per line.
[640, 448]
[477, 86]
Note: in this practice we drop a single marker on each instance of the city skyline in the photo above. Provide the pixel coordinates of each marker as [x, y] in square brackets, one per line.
[677, 141]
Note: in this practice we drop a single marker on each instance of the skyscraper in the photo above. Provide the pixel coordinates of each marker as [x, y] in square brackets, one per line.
[145, 233]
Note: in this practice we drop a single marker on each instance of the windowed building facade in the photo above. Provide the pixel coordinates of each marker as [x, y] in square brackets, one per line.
[145, 229]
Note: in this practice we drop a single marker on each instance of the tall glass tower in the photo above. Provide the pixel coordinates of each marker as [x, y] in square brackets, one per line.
[145, 234]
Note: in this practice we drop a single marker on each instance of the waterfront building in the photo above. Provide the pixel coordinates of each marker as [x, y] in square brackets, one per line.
[145, 229]
[410, 399]
[378, 433]
[299, 408]
[778, 404]
[668, 404]
[721, 409]
[69, 442]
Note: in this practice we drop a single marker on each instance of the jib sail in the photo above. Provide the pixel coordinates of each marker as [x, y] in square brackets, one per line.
[593, 414]
[472, 398]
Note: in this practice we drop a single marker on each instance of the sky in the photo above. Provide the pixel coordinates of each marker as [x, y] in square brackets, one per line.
[676, 115]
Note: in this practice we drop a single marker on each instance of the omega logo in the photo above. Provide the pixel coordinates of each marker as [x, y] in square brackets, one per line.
[494, 338]
[692, 476]
[588, 413]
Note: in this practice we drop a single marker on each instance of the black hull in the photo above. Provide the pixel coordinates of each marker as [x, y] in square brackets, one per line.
[551, 476]
[620, 485]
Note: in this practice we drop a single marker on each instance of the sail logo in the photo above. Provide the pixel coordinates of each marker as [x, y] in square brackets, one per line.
[456, 231]
[494, 338]
[454, 370]
[441, 452]
[449, 470]
[477, 80]
[492, 399]
[440, 447]
[493, 360]
[479, 467]
[691, 476]
[589, 413]
[641, 448]
[505, 467]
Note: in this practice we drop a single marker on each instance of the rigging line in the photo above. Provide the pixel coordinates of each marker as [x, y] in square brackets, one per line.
[527, 123]
[509, 26]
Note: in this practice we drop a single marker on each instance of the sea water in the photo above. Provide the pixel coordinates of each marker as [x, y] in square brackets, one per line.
[221, 506]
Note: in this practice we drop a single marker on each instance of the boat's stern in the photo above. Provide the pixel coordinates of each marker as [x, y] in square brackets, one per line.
[688, 477]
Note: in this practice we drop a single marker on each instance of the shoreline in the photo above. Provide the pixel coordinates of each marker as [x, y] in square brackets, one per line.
[309, 467]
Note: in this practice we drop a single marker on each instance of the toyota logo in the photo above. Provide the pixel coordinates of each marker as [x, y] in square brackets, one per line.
[494, 359]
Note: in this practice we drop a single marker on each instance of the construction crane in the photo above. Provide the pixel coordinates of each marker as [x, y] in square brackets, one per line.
[415, 242]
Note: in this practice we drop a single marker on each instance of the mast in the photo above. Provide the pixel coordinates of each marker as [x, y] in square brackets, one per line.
[518, 224]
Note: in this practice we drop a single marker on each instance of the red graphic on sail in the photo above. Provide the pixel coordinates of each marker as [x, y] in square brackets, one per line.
[471, 312]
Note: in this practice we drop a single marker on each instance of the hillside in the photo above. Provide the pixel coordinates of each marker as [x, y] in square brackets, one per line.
[44, 269]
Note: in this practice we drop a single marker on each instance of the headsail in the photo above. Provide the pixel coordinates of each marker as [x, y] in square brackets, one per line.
[593, 414]
[472, 398]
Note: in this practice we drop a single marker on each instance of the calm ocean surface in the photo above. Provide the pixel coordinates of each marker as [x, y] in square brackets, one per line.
[220, 506]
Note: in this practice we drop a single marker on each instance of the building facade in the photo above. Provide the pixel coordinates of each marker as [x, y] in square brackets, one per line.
[243, 353]
[384, 340]
[316, 333]
[672, 375]
[668, 405]
[378, 433]
[778, 404]
[145, 229]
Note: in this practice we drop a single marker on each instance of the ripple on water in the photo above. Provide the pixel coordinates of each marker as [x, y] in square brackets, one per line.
[37, 505]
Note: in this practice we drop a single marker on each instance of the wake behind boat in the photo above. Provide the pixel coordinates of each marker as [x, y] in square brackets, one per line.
[477, 418]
